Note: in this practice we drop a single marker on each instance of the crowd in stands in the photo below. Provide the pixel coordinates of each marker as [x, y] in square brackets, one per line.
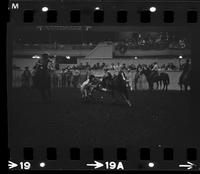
[145, 41]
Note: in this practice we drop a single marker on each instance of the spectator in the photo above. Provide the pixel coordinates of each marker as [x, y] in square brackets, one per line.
[63, 77]
[26, 78]
[75, 80]
[68, 77]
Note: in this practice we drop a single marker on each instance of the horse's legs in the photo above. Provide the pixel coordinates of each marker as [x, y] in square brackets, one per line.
[82, 93]
[125, 96]
[161, 84]
[157, 85]
[181, 87]
[149, 84]
[85, 92]
[135, 85]
[127, 100]
[114, 96]
[152, 85]
[186, 87]
[166, 86]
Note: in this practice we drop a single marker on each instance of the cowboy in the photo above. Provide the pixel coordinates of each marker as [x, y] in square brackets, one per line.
[85, 87]
[68, 77]
[155, 69]
[107, 74]
[130, 79]
[121, 72]
[76, 76]
[186, 67]
[106, 80]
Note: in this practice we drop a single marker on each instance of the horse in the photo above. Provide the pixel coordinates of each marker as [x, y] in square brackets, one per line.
[42, 82]
[164, 80]
[161, 80]
[114, 85]
[185, 81]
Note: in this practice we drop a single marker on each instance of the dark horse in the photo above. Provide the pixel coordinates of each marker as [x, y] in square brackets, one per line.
[42, 82]
[185, 80]
[114, 85]
[161, 80]
[42, 78]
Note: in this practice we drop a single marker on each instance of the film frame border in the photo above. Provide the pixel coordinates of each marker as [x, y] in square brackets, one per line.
[194, 26]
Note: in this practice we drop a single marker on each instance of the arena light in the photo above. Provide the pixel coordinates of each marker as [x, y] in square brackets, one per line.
[35, 57]
[68, 57]
[45, 9]
[180, 57]
[152, 9]
[97, 8]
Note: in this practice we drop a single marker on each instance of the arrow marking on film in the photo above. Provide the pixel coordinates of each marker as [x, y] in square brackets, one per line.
[96, 165]
[189, 165]
[11, 165]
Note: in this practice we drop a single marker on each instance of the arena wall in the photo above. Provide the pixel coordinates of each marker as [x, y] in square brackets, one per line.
[85, 52]
[129, 61]
[80, 52]
[137, 52]
[22, 62]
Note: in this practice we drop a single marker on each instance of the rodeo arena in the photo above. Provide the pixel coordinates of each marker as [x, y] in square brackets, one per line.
[67, 82]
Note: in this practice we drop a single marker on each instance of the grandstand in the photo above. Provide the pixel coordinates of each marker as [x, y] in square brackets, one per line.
[96, 49]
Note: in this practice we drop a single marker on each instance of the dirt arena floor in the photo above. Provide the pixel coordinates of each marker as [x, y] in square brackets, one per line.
[156, 118]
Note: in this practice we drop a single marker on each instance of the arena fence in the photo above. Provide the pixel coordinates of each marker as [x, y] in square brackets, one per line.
[59, 81]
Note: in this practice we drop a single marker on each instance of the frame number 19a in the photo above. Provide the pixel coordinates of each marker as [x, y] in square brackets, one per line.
[113, 165]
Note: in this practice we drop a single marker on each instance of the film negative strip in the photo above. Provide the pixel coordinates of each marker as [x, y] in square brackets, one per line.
[103, 85]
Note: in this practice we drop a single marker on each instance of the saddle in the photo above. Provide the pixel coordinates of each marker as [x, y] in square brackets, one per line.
[154, 74]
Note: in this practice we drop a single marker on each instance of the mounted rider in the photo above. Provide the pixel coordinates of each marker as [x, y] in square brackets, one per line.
[106, 80]
[87, 86]
[155, 69]
[123, 76]
[42, 76]
[107, 74]
[186, 68]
